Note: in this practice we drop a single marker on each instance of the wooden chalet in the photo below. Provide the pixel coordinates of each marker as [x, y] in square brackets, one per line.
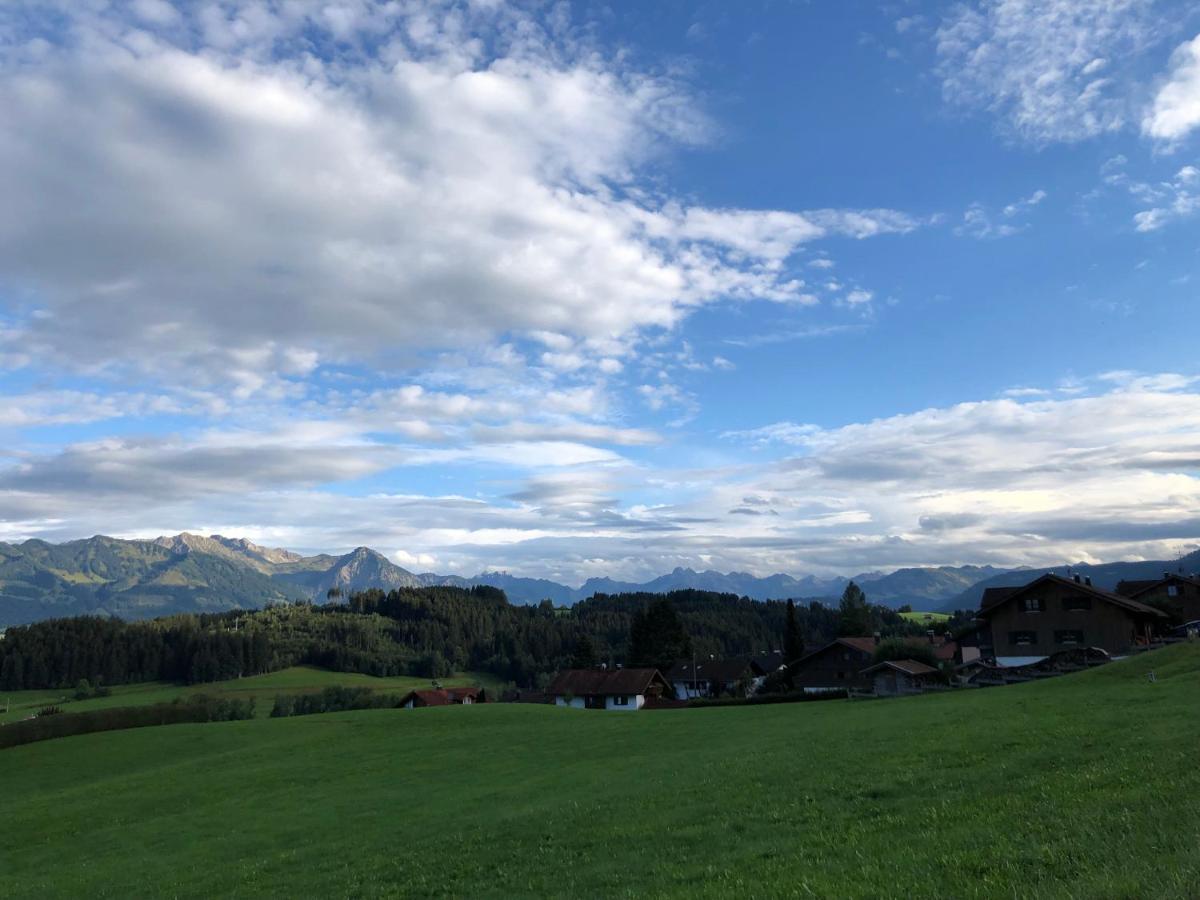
[1053, 613]
[840, 665]
[836, 666]
[900, 676]
[616, 689]
[1177, 593]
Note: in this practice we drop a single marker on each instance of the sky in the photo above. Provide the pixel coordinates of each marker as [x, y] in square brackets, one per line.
[604, 289]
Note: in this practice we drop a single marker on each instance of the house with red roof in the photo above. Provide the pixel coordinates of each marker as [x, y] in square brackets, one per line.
[457, 696]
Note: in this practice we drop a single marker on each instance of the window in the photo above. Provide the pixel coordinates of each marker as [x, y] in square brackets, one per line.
[1022, 638]
[1172, 590]
[1077, 604]
[620, 700]
[1033, 604]
[1068, 638]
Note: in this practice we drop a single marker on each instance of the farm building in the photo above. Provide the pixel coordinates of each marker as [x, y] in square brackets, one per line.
[900, 676]
[714, 677]
[618, 689]
[464, 696]
[840, 664]
[1177, 593]
[1053, 613]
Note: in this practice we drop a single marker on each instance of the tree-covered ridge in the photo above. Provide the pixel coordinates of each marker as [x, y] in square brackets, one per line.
[427, 632]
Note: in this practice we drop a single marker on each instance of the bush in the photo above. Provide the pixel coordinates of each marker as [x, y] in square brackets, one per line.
[332, 699]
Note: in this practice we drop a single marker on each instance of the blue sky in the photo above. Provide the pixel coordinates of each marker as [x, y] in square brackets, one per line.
[580, 289]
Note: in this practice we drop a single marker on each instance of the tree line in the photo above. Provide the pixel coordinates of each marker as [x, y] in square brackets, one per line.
[430, 632]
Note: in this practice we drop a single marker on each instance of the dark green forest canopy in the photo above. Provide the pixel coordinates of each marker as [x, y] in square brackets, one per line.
[412, 631]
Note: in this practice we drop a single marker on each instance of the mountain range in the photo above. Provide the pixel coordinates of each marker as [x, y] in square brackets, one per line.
[137, 579]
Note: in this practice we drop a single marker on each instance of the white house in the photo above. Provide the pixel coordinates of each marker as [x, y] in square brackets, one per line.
[618, 689]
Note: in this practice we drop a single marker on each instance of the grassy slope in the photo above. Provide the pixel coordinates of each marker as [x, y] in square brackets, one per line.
[1081, 786]
[922, 617]
[263, 688]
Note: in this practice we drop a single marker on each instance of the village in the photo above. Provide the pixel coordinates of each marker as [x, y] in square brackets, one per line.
[1051, 626]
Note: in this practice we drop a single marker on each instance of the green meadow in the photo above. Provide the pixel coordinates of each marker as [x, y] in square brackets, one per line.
[263, 688]
[1083, 786]
[925, 617]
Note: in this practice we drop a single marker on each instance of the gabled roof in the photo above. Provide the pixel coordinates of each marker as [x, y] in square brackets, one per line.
[862, 644]
[723, 670]
[1135, 588]
[993, 598]
[604, 682]
[907, 666]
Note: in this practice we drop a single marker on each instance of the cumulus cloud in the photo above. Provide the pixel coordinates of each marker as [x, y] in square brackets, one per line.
[1105, 472]
[201, 193]
[1050, 69]
[1176, 108]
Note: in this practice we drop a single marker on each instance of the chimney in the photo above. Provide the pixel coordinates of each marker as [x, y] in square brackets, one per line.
[877, 638]
[929, 634]
[1077, 578]
[1087, 579]
[1166, 575]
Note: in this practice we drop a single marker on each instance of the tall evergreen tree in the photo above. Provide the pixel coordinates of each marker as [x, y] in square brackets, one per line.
[854, 615]
[585, 654]
[793, 643]
[657, 638]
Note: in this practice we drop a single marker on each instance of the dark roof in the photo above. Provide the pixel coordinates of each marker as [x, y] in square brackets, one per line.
[604, 682]
[722, 670]
[769, 662]
[995, 597]
[862, 644]
[1135, 588]
[458, 694]
[907, 666]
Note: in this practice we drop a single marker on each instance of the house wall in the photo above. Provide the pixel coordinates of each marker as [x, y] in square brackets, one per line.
[575, 703]
[837, 666]
[1184, 605]
[1105, 625]
[636, 701]
[685, 691]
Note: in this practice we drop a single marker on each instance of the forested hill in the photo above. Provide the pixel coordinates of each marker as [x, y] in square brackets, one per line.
[416, 631]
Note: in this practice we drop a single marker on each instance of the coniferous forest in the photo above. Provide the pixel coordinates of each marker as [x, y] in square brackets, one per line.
[427, 632]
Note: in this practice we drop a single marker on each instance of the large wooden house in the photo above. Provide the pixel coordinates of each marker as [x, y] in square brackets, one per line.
[1177, 593]
[616, 689]
[1053, 613]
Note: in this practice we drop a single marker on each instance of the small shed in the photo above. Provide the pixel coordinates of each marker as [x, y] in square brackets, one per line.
[900, 676]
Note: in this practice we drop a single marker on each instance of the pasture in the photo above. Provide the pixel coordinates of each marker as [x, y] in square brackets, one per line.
[263, 688]
[1080, 786]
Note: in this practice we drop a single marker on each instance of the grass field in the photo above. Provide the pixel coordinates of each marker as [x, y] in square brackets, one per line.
[1083, 786]
[263, 688]
[925, 617]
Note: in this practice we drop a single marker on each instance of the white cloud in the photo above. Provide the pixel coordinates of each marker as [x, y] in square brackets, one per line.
[1044, 66]
[1175, 200]
[978, 222]
[1176, 108]
[239, 206]
[1102, 473]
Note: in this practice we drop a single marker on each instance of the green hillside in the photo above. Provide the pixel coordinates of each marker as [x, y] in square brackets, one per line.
[263, 688]
[1081, 786]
